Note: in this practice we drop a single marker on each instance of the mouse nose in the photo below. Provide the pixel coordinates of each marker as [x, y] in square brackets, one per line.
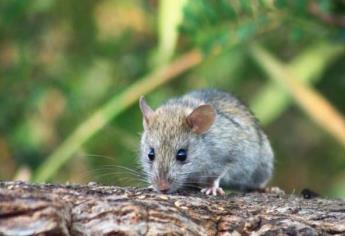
[163, 186]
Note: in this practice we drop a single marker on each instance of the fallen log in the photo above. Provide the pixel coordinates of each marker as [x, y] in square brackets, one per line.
[52, 209]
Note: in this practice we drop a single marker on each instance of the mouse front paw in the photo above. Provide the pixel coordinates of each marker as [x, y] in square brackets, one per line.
[213, 190]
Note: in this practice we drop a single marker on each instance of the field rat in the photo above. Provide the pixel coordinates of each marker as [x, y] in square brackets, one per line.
[205, 138]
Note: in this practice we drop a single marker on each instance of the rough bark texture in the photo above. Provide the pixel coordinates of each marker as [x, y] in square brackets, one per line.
[27, 209]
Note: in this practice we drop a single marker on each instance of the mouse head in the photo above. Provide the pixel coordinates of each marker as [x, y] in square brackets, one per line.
[172, 142]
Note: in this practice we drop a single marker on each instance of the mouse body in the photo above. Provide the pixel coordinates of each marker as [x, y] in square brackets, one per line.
[206, 139]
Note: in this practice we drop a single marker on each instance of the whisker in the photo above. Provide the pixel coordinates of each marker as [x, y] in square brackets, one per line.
[122, 178]
[114, 167]
[109, 169]
[97, 155]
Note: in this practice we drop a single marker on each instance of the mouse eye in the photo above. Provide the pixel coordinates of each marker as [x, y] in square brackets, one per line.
[181, 155]
[151, 154]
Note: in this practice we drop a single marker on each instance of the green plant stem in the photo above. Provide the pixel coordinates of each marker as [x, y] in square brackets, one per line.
[309, 65]
[169, 18]
[312, 103]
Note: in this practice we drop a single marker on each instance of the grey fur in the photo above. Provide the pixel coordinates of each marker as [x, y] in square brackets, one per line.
[234, 147]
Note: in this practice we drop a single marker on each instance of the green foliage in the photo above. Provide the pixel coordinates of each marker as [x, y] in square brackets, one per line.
[216, 22]
[210, 23]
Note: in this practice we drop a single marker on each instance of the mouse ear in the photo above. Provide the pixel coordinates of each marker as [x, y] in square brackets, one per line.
[201, 118]
[146, 110]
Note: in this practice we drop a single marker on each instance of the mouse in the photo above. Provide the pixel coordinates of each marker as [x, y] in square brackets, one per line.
[206, 139]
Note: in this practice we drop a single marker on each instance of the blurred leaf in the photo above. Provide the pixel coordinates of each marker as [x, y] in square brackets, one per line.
[169, 19]
[312, 102]
[224, 70]
[246, 30]
[309, 65]
[246, 6]
[41, 5]
[201, 21]
[325, 5]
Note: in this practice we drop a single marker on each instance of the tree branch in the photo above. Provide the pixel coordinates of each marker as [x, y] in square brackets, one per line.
[27, 209]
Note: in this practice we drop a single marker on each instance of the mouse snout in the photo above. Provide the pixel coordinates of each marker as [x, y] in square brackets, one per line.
[163, 185]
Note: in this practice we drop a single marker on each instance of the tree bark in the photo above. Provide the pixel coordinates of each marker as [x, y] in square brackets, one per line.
[50, 209]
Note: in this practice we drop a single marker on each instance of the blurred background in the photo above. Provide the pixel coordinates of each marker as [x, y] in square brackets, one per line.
[71, 73]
